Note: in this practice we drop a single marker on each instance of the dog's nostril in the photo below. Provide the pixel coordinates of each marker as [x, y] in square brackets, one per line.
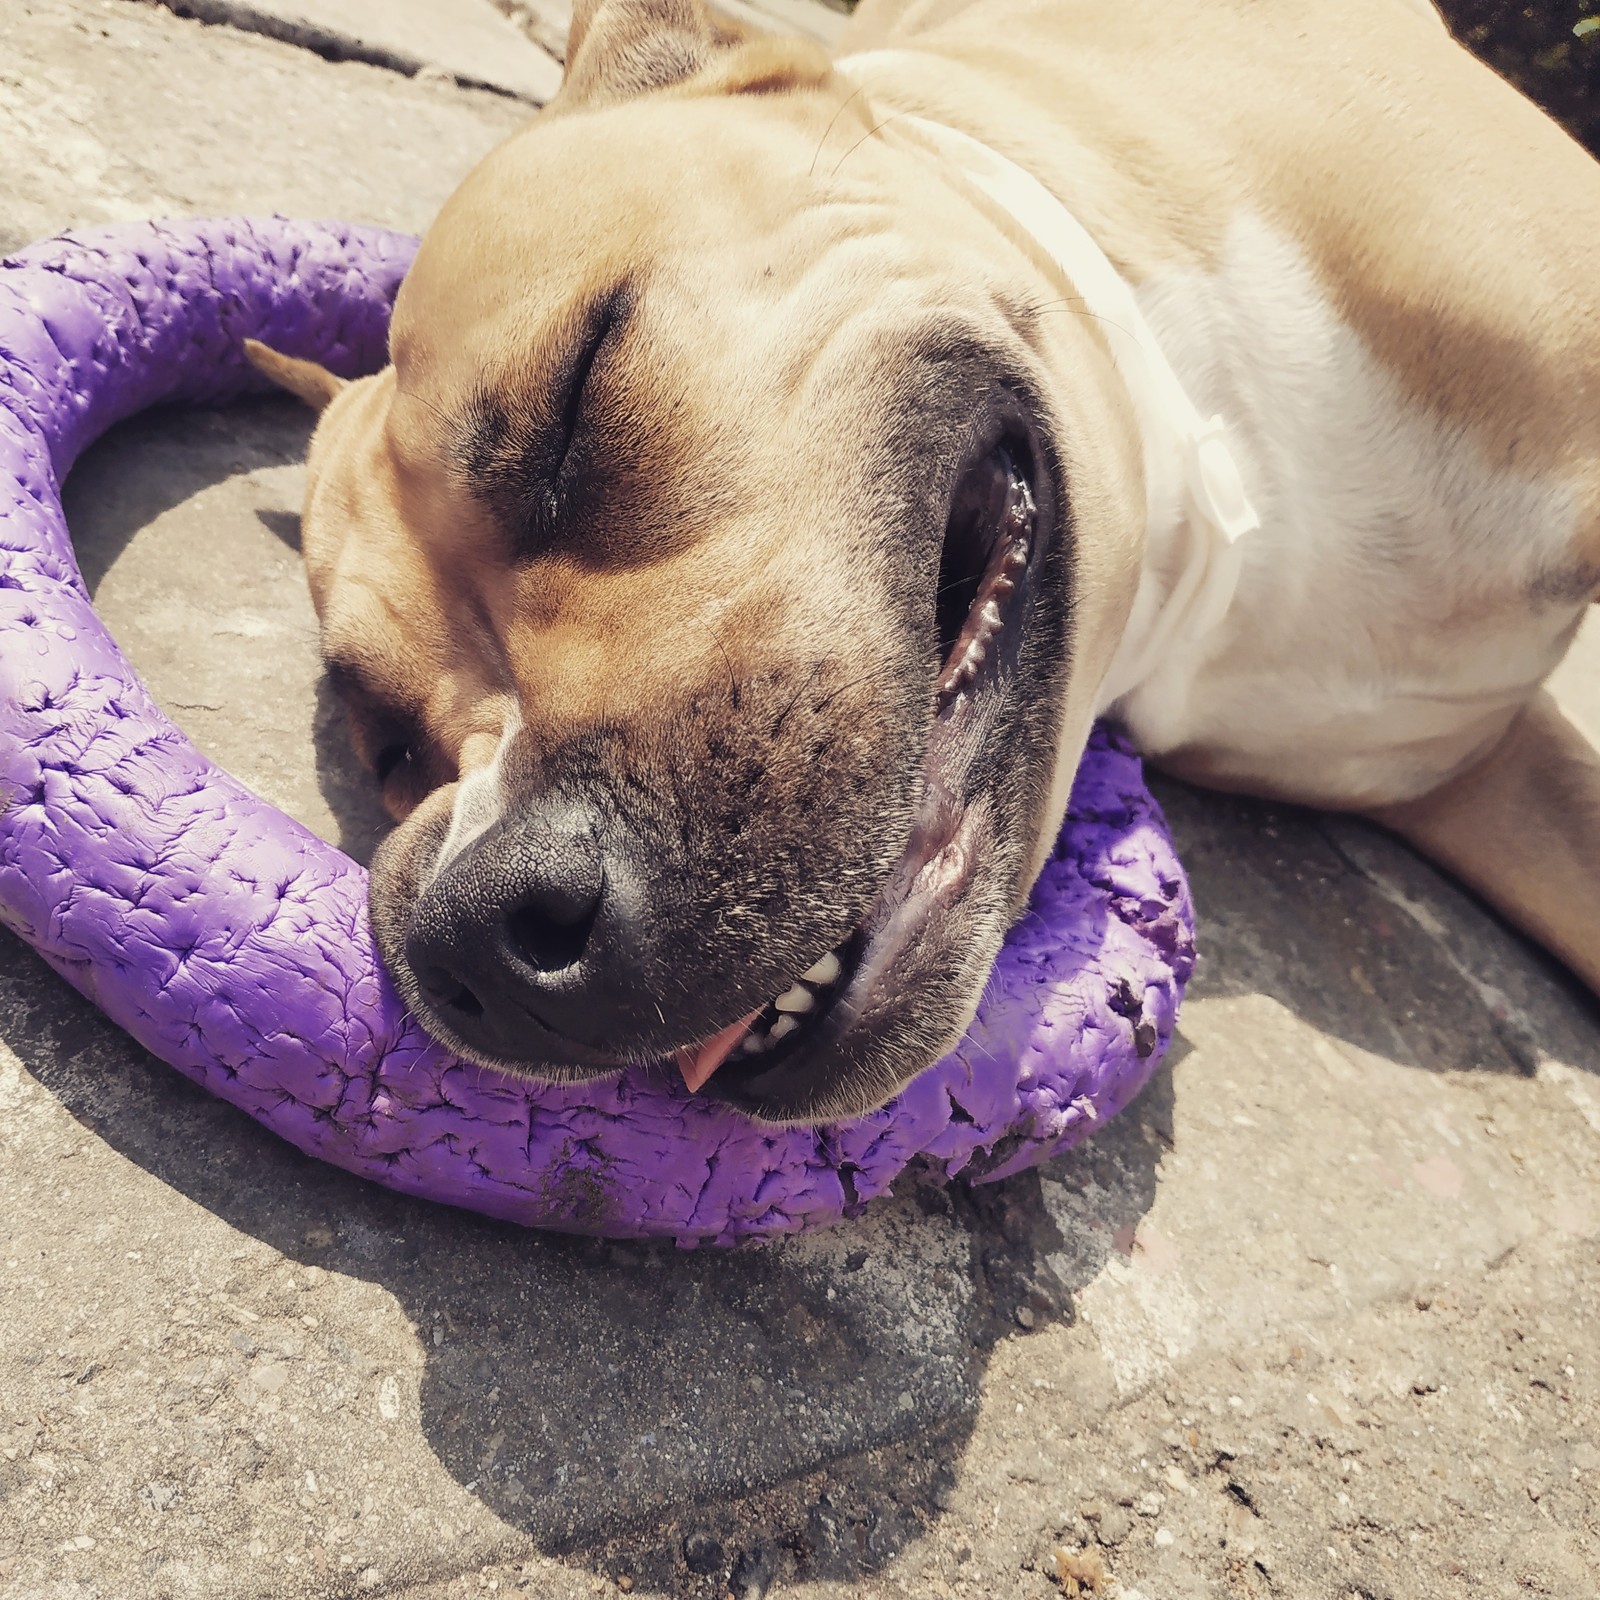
[446, 992]
[550, 928]
[466, 1002]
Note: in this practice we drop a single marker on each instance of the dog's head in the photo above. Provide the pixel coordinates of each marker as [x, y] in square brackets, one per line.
[719, 580]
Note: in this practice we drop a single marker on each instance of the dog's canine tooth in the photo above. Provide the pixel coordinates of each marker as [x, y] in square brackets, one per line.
[798, 999]
[826, 971]
[782, 1028]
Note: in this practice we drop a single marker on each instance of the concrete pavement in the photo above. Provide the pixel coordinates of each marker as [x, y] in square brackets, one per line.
[1314, 1318]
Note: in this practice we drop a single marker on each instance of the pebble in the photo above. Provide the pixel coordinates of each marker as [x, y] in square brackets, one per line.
[1115, 1526]
[270, 1376]
[158, 1496]
[389, 1399]
[702, 1554]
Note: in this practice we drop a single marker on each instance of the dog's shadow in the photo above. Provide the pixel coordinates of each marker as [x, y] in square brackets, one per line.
[1345, 926]
[629, 1401]
[346, 786]
[151, 466]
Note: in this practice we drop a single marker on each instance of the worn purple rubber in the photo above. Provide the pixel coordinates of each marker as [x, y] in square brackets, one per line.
[235, 945]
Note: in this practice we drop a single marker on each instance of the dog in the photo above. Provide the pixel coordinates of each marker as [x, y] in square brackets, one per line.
[785, 458]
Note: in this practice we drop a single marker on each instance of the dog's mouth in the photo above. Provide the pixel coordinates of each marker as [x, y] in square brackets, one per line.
[989, 552]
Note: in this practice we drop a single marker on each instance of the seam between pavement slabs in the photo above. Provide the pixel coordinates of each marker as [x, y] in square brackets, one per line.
[328, 43]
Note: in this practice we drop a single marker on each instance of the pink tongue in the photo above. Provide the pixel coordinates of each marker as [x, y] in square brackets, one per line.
[698, 1061]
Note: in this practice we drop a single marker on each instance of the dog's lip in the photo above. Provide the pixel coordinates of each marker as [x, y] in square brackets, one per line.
[942, 856]
[547, 1047]
[933, 872]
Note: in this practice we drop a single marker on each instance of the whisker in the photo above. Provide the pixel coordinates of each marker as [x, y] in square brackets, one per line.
[811, 171]
[727, 661]
[1077, 306]
[894, 116]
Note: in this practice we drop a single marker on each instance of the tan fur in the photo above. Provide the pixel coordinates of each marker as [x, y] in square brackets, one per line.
[1503, 341]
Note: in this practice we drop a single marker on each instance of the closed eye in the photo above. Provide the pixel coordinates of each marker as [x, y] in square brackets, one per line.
[517, 456]
[604, 319]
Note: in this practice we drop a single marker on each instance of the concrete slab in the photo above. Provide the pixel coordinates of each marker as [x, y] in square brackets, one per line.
[114, 110]
[468, 41]
[1314, 1318]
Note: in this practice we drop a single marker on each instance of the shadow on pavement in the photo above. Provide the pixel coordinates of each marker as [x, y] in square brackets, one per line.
[153, 464]
[1345, 926]
[630, 1401]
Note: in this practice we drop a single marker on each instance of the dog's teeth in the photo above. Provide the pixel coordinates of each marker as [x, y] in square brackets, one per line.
[990, 615]
[826, 971]
[797, 999]
[782, 1028]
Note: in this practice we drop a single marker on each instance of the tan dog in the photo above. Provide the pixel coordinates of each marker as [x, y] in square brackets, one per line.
[783, 462]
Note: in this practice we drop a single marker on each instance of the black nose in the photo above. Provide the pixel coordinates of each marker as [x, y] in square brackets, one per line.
[549, 927]
[519, 940]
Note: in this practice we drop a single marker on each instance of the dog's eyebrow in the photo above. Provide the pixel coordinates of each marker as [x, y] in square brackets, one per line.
[512, 456]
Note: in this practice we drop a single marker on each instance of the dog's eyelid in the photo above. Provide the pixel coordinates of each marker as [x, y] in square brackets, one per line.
[391, 757]
[513, 453]
[606, 318]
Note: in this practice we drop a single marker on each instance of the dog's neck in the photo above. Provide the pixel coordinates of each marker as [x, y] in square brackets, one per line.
[1197, 507]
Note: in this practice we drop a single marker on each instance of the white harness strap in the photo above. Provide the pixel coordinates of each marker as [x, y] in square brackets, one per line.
[1171, 426]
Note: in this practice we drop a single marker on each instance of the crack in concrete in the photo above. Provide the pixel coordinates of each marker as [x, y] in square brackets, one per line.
[328, 43]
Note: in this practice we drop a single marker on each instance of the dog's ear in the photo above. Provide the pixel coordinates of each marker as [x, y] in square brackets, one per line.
[315, 385]
[618, 49]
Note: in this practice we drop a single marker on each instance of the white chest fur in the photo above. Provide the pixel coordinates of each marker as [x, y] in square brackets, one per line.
[1383, 626]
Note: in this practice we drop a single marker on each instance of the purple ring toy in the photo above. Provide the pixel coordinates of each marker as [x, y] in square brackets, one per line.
[234, 944]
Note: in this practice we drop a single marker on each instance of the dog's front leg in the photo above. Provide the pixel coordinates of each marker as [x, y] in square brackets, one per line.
[1522, 827]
